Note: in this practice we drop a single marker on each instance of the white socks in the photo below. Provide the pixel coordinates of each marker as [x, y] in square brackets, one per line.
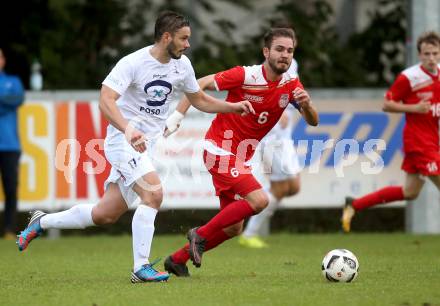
[254, 224]
[79, 216]
[143, 229]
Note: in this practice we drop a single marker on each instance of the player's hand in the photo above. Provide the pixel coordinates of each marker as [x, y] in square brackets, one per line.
[173, 123]
[302, 98]
[243, 108]
[136, 139]
[423, 107]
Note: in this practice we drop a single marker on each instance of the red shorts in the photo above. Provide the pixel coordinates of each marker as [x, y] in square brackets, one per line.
[426, 163]
[230, 176]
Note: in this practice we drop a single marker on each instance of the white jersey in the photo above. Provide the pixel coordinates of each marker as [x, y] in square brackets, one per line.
[148, 88]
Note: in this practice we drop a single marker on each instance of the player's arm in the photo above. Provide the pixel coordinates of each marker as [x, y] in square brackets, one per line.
[173, 121]
[205, 103]
[391, 106]
[205, 83]
[307, 110]
[208, 104]
[108, 107]
[394, 97]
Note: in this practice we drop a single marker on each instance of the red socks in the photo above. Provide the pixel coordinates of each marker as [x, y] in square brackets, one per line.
[381, 196]
[231, 214]
[213, 230]
[182, 255]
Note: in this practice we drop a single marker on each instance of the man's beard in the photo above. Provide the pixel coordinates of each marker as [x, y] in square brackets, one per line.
[171, 47]
[277, 70]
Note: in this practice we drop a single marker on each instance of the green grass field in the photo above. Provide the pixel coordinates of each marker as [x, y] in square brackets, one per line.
[395, 269]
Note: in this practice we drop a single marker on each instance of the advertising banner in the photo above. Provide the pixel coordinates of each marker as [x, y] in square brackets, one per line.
[355, 149]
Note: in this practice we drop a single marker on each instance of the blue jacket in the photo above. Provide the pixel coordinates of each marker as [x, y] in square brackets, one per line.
[11, 97]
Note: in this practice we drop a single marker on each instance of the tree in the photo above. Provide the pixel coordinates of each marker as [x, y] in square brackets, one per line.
[78, 41]
[370, 58]
[20, 32]
[381, 46]
[322, 59]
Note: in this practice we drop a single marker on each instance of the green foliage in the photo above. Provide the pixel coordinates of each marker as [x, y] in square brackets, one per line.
[395, 269]
[369, 58]
[319, 50]
[380, 46]
[77, 50]
[78, 41]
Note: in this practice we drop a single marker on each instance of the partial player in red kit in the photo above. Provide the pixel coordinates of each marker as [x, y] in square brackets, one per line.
[231, 141]
[416, 92]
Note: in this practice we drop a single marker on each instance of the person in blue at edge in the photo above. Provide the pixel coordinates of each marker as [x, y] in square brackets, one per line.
[11, 97]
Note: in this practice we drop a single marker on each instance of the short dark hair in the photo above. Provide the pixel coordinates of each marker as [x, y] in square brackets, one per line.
[430, 37]
[169, 21]
[278, 32]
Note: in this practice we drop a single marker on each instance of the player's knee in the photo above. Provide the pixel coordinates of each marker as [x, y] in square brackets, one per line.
[260, 202]
[154, 198]
[411, 194]
[293, 186]
[293, 190]
[104, 218]
[278, 194]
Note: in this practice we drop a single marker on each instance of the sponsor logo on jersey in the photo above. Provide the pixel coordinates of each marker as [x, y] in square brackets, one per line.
[132, 163]
[426, 95]
[159, 76]
[175, 70]
[253, 98]
[157, 92]
[284, 100]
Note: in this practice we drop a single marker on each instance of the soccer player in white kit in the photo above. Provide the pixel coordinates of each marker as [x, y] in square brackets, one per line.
[135, 98]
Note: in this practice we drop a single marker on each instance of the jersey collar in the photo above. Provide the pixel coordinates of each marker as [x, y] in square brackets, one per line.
[268, 81]
[433, 76]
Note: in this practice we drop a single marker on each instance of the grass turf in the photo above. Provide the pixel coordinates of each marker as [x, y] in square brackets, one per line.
[395, 269]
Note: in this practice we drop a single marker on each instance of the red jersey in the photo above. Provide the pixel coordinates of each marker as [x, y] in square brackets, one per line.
[421, 131]
[241, 134]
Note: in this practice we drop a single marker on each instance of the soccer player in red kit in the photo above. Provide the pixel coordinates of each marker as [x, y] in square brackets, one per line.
[231, 141]
[416, 92]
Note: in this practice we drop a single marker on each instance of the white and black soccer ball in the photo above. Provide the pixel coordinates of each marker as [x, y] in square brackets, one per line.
[340, 265]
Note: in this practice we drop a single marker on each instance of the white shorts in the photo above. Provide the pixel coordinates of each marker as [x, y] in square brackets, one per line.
[128, 165]
[277, 159]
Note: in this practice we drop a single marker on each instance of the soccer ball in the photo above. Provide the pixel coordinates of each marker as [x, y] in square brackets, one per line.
[340, 265]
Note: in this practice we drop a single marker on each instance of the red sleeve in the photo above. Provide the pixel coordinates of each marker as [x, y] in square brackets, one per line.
[229, 79]
[291, 99]
[400, 89]
[299, 84]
